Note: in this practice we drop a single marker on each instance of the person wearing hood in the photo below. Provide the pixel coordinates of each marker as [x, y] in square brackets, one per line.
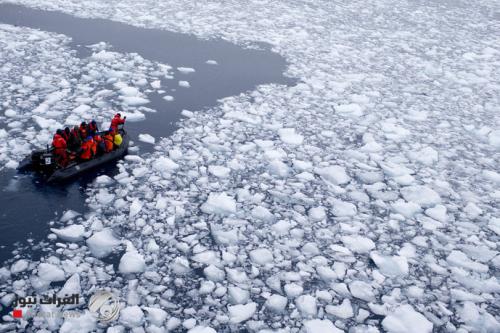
[60, 145]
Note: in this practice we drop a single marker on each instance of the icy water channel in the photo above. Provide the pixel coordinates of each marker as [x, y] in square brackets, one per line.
[27, 205]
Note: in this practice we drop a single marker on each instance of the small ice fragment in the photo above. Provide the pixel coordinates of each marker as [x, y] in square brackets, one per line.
[306, 304]
[165, 165]
[147, 138]
[343, 311]
[156, 316]
[69, 215]
[317, 214]
[132, 261]
[50, 272]
[72, 233]
[211, 62]
[102, 243]
[405, 319]
[19, 266]
[289, 136]
[219, 171]
[362, 290]
[184, 84]
[27, 80]
[390, 265]
[334, 174]
[421, 194]
[318, 325]
[104, 180]
[261, 256]
[276, 303]
[186, 70]
[156, 84]
[239, 313]
[104, 56]
[131, 316]
[135, 207]
[135, 100]
[219, 203]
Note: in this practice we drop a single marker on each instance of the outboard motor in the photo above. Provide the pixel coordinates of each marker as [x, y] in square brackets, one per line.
[47, 162]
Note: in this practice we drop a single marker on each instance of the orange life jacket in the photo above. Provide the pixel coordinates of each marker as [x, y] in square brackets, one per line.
[108, 142]
[87, 152]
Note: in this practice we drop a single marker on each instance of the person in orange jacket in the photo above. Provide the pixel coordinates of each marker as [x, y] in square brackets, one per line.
[117, 120]
[86, 151]
[108, 140]
[60, 146]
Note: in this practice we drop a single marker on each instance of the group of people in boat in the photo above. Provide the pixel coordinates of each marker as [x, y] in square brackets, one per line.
[85, 142]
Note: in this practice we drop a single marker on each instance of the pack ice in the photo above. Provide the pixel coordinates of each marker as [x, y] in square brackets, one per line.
[364, 198]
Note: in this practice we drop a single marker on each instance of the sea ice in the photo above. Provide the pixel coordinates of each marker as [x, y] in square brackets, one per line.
[404, 319]
[131, 261]
[50, 272]
[185, 70]
[334, 174]
[390, 265]
[261, 256]
[219, 203]
[420, 194]
[147, 138]
[320, 325]
[241, 312]
[358, 244]
[72, 233]
[102, 243]
[276, 303]
[307, 306]
[289, 136]
[131, 316]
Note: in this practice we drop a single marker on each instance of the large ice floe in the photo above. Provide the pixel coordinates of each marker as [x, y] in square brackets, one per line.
[363, 199]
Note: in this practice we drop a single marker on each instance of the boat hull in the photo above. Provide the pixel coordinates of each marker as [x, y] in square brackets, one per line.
[31, 163]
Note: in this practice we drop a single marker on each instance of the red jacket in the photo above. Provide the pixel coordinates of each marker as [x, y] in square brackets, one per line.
[59, 144]
[117, 120]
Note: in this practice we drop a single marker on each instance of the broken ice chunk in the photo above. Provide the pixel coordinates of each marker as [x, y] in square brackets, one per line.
[405, 319]
[239, 313]
[219, 203]
[318, 325]
[146, 138]
[390, 265]
[72, 233]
